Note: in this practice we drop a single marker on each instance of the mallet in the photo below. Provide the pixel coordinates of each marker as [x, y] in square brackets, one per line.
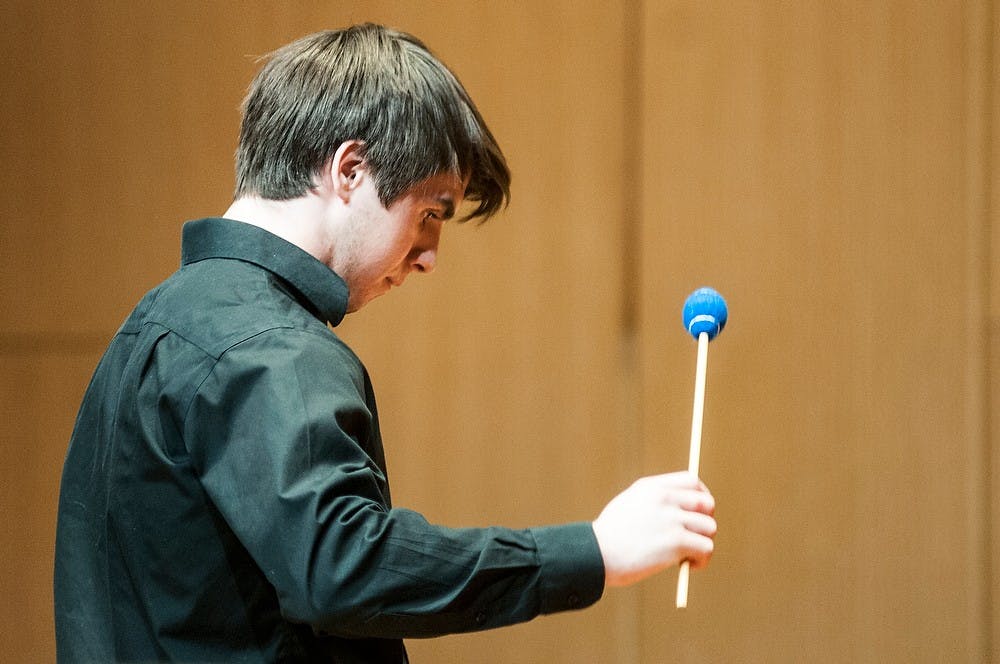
[705, 315]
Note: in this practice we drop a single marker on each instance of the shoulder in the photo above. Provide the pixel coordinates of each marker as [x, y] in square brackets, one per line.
[220, 304]
[307, 350]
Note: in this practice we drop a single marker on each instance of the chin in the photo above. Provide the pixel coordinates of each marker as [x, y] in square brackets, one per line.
[355, 304]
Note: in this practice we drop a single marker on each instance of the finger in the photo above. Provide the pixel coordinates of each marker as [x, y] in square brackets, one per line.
[692, 500]
[697, 549]
[700, 562]
[699, 523]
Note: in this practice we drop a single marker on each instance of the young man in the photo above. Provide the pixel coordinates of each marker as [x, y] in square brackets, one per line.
[224, 496]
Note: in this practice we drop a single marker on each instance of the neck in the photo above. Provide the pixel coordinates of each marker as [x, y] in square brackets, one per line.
[297, 220]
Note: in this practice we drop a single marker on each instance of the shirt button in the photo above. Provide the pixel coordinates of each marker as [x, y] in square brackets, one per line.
[480, 617]
[573, 600]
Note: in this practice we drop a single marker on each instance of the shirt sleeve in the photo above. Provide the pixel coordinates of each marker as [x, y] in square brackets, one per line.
[286, 446]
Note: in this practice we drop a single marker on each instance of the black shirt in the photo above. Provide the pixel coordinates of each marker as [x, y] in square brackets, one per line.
[225, 498]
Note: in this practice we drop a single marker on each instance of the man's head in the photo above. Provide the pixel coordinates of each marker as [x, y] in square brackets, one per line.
[380, 88]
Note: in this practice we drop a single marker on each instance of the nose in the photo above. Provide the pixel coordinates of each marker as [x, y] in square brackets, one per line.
[424, 256]
[425, 261]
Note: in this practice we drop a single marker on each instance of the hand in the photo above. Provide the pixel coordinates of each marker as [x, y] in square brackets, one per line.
[656, 523]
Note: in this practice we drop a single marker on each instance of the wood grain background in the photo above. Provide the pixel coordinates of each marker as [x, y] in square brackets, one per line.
[829, 166]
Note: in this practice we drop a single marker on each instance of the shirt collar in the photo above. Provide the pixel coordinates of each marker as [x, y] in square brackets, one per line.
[324, 290]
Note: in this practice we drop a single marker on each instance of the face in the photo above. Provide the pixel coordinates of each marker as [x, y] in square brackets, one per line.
[379, 247]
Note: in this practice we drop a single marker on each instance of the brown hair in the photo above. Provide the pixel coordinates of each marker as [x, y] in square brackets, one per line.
[375, 85]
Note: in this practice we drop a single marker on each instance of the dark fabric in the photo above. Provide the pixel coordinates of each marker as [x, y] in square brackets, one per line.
[225, 497]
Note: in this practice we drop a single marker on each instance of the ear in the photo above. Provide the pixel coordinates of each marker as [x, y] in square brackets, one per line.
[347, 168]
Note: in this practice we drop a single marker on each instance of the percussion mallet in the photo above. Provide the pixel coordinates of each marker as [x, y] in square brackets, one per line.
[705, 315]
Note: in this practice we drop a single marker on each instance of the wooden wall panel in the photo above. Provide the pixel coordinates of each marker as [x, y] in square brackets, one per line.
[121, 122]
[992, 462]
[810, 160]
[828, 166]
[38, 397]
[497, 378]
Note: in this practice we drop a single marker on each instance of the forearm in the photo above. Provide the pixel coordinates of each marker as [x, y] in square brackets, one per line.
[407, 578]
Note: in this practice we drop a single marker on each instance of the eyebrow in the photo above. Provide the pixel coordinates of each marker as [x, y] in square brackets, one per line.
[449, 206]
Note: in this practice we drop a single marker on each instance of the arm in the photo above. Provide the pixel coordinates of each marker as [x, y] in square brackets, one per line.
[287, 448]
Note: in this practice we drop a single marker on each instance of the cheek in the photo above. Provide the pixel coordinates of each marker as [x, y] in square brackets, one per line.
[403, 245]
[392, 248]
[387, 261]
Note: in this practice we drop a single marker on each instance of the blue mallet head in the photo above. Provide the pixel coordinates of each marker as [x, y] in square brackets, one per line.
[705, 311]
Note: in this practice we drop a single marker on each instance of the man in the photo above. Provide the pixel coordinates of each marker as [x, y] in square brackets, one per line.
[224, 496]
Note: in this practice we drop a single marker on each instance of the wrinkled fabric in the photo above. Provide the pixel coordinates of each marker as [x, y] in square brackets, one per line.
[225, 495]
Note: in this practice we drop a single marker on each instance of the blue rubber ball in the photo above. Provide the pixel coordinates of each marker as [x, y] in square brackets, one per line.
[705, 311]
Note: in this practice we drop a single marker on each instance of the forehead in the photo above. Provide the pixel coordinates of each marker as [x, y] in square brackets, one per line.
[437, 186]
[444, 191]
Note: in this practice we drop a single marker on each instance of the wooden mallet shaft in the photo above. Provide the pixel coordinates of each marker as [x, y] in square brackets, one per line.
[697, 417]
